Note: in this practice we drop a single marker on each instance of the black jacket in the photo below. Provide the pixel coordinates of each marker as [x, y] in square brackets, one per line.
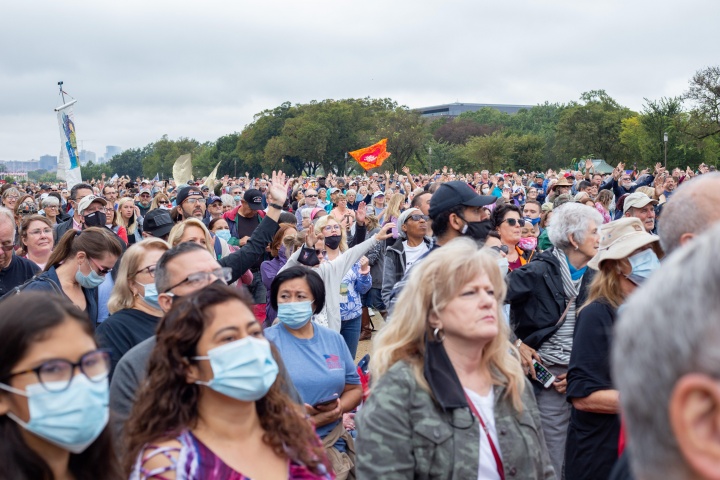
[537, 298]
[62, 228]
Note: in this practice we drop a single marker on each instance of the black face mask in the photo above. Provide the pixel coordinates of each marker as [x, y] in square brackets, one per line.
[477, 230]
[308, 257]
[333, 242]
[95, 219]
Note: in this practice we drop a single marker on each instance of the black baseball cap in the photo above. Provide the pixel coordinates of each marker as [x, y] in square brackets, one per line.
[457, 192]
[253, 198]
[186, 192]
[158, 222]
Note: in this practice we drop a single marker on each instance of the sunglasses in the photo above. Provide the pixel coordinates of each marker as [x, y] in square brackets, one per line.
[502, 248]
[163, 202]
[319, 252]
[514, 221]
[417, 217]
[311, 196]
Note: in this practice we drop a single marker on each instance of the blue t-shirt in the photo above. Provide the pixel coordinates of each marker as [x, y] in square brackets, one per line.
[318, 366]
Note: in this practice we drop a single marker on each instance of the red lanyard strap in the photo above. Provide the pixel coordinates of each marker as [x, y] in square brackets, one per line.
[496, 455]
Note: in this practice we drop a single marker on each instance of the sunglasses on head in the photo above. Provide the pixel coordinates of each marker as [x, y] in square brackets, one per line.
[514, 221]
[501, 248]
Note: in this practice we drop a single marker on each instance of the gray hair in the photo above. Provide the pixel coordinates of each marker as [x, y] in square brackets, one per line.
[227, 199]
[50, 200]
[673, 315]
[571, 220]
[9, 217]
[351, 192]
[691, 209]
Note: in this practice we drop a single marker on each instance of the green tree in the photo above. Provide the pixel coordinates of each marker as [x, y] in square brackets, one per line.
[406, 133]
[527, 152]
[129, 162]
[591, 128]
[164, 153]
[704, 95]
[491, 152]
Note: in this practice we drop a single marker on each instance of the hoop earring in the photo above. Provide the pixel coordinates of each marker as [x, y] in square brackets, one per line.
[438, 338]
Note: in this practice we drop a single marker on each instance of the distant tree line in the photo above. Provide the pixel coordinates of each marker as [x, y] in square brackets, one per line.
[313, 138]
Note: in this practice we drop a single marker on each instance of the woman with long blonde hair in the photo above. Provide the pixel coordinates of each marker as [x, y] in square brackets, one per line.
[133, 306]
[129, 218]
[446, 376]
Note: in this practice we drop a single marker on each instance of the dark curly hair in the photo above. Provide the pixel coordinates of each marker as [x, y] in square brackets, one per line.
[498, 215]
[166, 404]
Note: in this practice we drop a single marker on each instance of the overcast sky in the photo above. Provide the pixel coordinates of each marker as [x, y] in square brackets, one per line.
[202, 69]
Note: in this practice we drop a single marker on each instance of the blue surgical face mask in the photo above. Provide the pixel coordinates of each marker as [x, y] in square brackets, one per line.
[151, 294]
[93, 280]
[244, 369]
[533, 221]
[237, 198]
[295, 315]
[223, 234]
[643, 265]
[71, 419]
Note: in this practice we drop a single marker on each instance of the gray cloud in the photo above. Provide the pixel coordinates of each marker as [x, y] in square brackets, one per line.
[203, 69]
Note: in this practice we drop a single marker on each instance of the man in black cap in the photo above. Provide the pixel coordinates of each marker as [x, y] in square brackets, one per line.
[157, 224]
[191, 203]
[455, 210]
[243, 221]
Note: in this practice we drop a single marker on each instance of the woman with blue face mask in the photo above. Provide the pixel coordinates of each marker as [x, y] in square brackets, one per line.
[317, 358]
[78, 266]
[53, 393]
[212, 406]
[627, 256]
[133, 306]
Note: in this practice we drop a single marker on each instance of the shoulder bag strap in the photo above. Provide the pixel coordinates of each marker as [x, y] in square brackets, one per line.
[562, 318]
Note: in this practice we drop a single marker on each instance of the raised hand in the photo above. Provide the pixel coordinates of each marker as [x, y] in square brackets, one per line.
[361, 213]
[278, 189]
[406, 170]
[384, 232]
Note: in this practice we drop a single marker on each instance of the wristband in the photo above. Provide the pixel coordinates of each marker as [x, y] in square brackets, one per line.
[275, 205]
[518, 343]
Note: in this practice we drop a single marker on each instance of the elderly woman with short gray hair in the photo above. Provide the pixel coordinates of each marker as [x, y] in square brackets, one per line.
[543, 297]
[51, 209]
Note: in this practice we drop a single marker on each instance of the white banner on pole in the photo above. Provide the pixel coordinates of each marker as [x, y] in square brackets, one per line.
[68, 161]
[182, 169]
[210, 180]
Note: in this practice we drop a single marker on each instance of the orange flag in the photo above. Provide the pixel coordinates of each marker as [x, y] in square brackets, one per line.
[372, 156]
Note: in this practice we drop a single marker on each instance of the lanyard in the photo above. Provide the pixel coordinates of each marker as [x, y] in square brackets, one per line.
[496, 455]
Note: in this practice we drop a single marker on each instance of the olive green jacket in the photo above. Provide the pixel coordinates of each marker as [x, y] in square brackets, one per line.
[402, 433]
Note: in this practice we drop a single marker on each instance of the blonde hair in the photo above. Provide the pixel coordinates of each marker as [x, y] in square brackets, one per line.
[121, 220]
[322, 222]
[432, 285]
[393, 207]
[122, 296]
[179, 229]
[156, 199]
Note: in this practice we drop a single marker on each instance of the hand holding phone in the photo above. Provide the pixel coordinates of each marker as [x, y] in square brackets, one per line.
[326, 401]
[543, 375]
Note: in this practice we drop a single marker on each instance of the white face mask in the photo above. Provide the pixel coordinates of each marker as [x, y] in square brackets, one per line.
[503, 265]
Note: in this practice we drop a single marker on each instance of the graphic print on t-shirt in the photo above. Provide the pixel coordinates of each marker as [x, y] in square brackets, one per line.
[333, 362]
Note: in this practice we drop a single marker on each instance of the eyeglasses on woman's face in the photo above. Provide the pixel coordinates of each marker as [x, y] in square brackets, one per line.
[331, 228]
[57, 374]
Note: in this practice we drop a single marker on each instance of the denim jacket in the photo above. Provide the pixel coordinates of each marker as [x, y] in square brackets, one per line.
[352, 286]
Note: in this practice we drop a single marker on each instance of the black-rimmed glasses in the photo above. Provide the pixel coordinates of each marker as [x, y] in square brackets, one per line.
[501, 248]
[150, 270]
[55, 375]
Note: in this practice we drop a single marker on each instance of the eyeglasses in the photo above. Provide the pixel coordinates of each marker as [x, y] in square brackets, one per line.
[200, 279]
[150, 270]
[331, 228]
[310, 196]
[514, 221]
[626, 179]
[101, 270]
[40, 231]
[502, 248]
[193, 201]
[51, 206]
[14, 198]
[56, 375]
[417, 217]
[7, 247]
[163, 202]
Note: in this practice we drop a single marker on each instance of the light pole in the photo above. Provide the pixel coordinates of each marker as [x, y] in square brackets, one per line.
[665, 139]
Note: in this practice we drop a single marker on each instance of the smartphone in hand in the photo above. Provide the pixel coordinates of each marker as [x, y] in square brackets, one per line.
[543, 375]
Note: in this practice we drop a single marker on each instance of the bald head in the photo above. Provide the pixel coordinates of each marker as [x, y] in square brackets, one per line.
[692, 209]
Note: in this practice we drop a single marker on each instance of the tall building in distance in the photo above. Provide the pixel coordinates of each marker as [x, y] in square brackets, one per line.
[49, 163]
[454, 109]
[87, 156]
[111, 151]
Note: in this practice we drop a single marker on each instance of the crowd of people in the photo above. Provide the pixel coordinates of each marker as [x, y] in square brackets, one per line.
[523, 325]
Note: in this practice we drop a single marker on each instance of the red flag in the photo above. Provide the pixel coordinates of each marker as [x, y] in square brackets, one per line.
[372, 156]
